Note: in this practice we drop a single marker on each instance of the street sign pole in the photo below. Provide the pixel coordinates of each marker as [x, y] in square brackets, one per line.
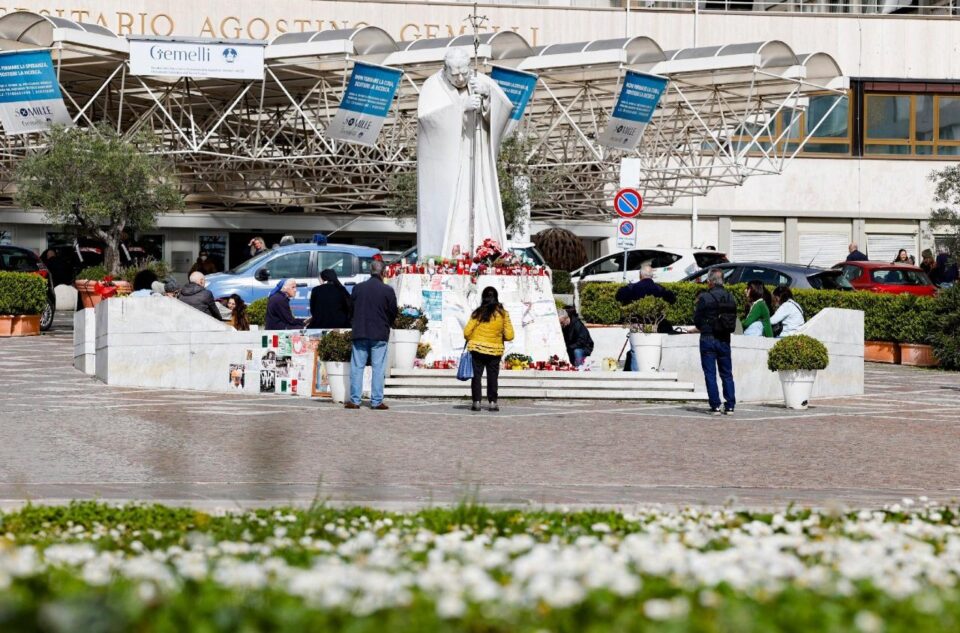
[628, 203]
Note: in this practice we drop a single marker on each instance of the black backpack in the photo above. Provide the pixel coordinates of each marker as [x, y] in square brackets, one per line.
[726, 320]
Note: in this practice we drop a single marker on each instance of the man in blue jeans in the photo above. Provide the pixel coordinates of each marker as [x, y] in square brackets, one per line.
[374, 310]
[715, 316]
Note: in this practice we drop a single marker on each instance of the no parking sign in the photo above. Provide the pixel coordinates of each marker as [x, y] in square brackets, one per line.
[626, 234]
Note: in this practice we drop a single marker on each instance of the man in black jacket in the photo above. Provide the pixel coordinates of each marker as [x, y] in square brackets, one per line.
[855, 254]
[645, 287]
[374, 311]
[576, 336]
[195, 294]
[715, 316]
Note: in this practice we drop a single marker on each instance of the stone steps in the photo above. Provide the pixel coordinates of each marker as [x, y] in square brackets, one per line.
[442, 383]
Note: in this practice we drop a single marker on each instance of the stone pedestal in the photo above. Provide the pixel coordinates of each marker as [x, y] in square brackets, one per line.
[85, 341]
[448, 301]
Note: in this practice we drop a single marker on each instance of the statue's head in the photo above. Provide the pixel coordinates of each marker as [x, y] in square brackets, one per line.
[456, 67]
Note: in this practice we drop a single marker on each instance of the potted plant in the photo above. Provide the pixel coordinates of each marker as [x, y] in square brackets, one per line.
[797, 358]
[644, 317]
[915, 325]
[409, 325]
[334, 350]
[23, 297]
[93, 285]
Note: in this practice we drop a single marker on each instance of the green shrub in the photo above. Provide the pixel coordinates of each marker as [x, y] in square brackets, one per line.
[257, 312]
[159, 268]
[945, 329]
[598, 303]
[644, 315]
[798, 351]
[336, 346]
[92, 273]
[561, 283]
[410, 318]
[22, 293]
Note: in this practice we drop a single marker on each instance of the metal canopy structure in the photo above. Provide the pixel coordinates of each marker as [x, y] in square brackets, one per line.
[261, 144]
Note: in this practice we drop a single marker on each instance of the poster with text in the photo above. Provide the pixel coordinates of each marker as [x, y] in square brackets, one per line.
[635, 107]
[365, 104]
[196, 58]
[30, 99]
[518, 86]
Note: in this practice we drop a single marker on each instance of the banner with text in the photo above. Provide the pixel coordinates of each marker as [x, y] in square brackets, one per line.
[365, 104]
[636, 104]
[30, 99]
[519, 87]
[196, 59]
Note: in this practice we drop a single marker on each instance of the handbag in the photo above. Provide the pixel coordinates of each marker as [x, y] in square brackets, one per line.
[465, 366]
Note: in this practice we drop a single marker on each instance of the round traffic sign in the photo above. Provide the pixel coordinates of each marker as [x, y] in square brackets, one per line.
[626, 227]
[628, 203]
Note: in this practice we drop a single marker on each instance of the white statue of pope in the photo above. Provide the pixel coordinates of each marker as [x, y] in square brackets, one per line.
[458, 193]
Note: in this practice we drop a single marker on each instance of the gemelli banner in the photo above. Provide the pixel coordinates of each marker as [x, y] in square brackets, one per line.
[196, 58]
[30, 99]
[635, 107]
[518, 86]
[365, 104]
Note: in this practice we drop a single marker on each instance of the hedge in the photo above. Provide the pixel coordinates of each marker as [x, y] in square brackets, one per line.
[22, 293]
[561, 283]
[899, 318]
[257, 312]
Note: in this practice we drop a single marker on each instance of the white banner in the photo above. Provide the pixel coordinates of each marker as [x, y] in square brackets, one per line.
[30, 99]
[196, 59]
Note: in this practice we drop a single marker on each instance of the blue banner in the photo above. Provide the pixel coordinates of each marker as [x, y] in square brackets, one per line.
[365, 104]
[517, 85]
[635, 107]
[30, 99]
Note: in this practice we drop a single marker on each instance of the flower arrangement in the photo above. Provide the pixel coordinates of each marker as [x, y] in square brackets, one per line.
[517, 361]
[488, 252]
[411, 318]
[106, 287]
[423, 350]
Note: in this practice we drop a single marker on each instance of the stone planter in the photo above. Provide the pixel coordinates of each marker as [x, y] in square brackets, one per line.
[338, 377]
[19, 325]
[881, 352]
[917, 355]
[647, 349]
[405, 344]
[89, 297]
[797, 387]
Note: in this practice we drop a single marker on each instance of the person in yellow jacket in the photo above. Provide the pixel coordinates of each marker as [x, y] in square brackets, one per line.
[489, 326]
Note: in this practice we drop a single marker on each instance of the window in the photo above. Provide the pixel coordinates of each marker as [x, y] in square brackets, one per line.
[768, 276]
[656, 259]
[296, 265]
[727, 274]
[611, 264]
[895, 277]
[706, 260]
[824, 124]
[340, 263]
[852, 272]
[911, 125]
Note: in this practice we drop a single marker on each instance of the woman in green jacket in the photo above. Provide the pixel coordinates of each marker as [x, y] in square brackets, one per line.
[757, 321]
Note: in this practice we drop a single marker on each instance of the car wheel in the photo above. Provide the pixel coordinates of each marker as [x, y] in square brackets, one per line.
[46, 317]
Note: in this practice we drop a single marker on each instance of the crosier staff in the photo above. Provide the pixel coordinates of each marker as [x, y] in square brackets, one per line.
[476, 96]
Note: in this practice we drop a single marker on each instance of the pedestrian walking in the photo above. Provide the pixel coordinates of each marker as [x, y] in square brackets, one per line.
[374, 311]
[756, 321]
[330, 303]
[715, 316]
[486, 331]
[576, 336]
[279, 314]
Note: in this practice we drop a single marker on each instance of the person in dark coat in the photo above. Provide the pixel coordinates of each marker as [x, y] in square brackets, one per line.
[204, 264]
[330, 304]
[576, 336]
[944, 271]
[279, 314]
[855, 254]
[374, 311]
[195, 294]
[646, 287]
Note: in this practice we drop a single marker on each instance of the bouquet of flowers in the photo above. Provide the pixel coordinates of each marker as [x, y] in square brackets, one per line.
[516, 361]
[488, 252]
[106, 288]
[411, 318]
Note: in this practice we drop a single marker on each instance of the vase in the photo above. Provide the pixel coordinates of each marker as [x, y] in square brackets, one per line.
[338, 377]
[405, 344]
[19, 325]
[797, 387]
[647, 349]
[881, 352]
[88, 295]
[917, 355]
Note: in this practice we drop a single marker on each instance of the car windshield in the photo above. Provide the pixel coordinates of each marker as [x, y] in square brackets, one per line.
[829, 280]
[706, 260]
[899, 277]
[250, 264]
[528, 253]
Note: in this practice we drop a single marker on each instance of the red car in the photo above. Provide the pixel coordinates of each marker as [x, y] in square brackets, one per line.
[889, 278]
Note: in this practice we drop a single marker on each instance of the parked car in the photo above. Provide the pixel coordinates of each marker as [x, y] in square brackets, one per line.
[525, 251]
[776, 274]
[888, 278]
[669, 264]
[256, 277]
[23, 260]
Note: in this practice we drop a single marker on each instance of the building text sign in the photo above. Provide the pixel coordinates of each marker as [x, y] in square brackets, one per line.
[196, 59]
[30, 99]
[636, 104]
[365, 104]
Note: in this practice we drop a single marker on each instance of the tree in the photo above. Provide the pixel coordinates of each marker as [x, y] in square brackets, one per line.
[96, 184]
[946, 216]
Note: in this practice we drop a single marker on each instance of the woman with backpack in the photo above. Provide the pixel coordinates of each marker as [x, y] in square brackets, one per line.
[789, 315]
[486, 331]
[757, 320]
